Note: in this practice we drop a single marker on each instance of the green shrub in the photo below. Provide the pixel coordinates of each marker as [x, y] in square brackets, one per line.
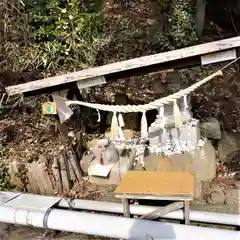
[63, 36]
[67, 34]
[180, 31]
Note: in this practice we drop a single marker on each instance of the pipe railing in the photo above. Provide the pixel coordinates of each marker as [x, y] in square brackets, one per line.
[110, 226]
[110, 207]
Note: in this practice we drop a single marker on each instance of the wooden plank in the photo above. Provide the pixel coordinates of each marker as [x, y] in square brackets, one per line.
[131, 64]
[56, 169]
[68, 147]
[160, 184]
[219, 57]
[65, 175]
[90, 82]
[163, 211]
[39, 179]
[74, 166]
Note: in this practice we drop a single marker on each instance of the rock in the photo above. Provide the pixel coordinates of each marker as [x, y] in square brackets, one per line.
[128, 133]
[229, 144]
[204, 160]
[91, 187]
[233, 197]
[211, 128]
[85, 162]
[92, 144]
[216, 195]
[175, 163]
[110, 155]
[103, 142]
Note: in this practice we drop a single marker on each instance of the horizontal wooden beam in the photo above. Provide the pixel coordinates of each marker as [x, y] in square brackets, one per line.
[153, 69]
[132, 64]
[155, 197]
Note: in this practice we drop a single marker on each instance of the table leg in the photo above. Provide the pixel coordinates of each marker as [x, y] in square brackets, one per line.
[186, 210]
[126, 209]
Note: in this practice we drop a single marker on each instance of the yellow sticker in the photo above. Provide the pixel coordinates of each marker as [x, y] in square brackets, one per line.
[164, 75]
[49, 108]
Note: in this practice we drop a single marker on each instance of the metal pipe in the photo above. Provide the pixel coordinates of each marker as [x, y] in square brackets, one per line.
[197, 216]
[110, 207]
[111, 226]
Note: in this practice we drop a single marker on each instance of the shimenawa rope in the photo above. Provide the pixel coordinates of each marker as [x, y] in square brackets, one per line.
[150, 106]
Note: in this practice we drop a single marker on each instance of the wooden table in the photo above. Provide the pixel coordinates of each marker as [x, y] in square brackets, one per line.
[172, 186]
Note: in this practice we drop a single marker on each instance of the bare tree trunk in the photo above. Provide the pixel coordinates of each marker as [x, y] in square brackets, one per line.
[200, 16]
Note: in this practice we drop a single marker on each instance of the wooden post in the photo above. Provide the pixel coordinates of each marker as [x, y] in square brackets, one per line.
[126, 209]
[58, 176]
[67, 169]
[186, 212]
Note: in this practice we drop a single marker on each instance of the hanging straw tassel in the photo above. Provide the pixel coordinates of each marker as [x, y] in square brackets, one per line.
[114, 125]
[177, 115]
[99, 116]
[185, 101]
[121, 124]
[120, 120]
[161, 115]
[144, 126]
[121, 134]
